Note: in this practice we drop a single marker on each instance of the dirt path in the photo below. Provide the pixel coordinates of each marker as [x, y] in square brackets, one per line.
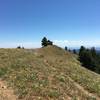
[5, 92]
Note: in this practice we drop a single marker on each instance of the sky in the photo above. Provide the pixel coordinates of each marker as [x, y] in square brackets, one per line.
[69, 23]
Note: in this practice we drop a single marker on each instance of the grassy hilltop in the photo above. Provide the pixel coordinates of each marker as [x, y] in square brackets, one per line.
[48, 73]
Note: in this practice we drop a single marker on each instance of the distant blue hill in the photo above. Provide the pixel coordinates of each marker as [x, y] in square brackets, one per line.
[77, 49]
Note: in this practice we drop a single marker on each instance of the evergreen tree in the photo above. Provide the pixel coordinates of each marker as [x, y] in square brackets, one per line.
[66, 48]
[87, 59]
[69, 50]
[90, 59]
[19, 47]
[93, 51]
[74, 51]
[82, 49]
[44, 42]
[50, 42]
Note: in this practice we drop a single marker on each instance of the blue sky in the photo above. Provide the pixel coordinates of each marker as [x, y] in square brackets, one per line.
[66, 22]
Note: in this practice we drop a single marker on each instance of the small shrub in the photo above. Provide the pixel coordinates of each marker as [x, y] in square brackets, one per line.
[19, 47]
[3, 71]
[53, 94]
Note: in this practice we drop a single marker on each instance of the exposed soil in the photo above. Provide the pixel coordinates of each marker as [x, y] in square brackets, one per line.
[6, 93]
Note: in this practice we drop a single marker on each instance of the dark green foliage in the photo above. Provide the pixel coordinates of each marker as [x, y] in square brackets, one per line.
[69, 50]
[46, 42]
[93, 51]
[66, 48]
[74, 51]
[82, 49]
[50, 42]
[90, 59]
[19, 47]
[87, 59]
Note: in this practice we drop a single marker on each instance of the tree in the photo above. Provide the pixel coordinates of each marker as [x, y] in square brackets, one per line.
[19, 47]
[69, 50]
[66, 48]
[50, 42]
[93, 51]
[89, 59]
[74, 51]
[82, 49]
[44, 42]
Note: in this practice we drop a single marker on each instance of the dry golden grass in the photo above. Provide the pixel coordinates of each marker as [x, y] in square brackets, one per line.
[48, 73]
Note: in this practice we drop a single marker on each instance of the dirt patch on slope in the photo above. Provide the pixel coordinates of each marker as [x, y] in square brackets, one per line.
[5, 92]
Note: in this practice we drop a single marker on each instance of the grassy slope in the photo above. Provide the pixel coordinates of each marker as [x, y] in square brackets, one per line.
[47, 74]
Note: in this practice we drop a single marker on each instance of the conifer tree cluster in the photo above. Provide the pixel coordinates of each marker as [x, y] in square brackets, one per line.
[90, 59]
[46, 42]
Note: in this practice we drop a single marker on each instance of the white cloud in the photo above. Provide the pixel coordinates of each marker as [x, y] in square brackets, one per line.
[76, 43]
[62, 43]
[23, 44]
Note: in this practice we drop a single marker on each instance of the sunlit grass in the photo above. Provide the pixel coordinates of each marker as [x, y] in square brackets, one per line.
[47, 73]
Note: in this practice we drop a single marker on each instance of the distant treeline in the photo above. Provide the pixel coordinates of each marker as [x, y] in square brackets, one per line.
[88, 57]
